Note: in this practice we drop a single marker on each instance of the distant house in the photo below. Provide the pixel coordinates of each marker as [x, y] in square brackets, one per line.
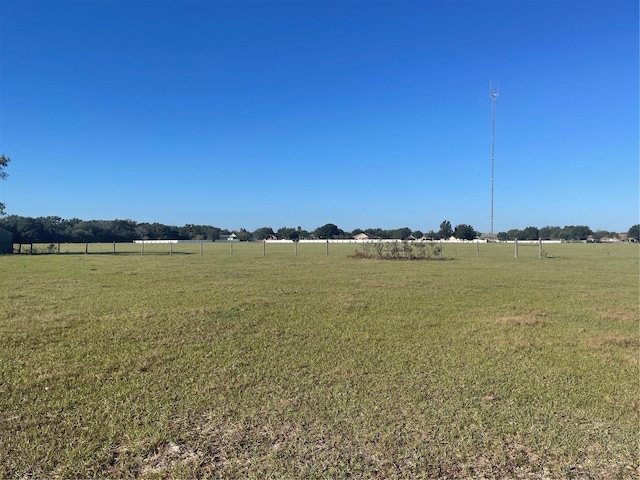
[363, 237]
[228, 238]
[6, 241]
[610, 240]
[489, 237]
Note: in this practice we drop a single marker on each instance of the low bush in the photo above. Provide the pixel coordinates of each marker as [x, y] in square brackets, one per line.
[400, 250]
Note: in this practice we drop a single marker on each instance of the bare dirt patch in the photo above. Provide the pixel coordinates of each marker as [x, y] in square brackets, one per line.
[166, 457]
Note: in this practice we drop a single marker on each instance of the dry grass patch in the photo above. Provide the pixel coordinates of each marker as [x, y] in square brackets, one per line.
[606, 340]
[168, 457]
[617, 348]
[627, 314]
[524, 320]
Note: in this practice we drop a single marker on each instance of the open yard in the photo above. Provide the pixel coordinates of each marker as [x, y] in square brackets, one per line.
[320, 366]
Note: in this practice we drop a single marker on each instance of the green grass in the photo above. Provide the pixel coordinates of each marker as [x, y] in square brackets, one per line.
[316, 366]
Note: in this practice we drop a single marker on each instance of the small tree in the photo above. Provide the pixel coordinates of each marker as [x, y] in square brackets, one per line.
[465, 232]
[287, 233]
[550, 232]
[262, 233]
[514, 233]
[530, 233]
[243, 235]
[4, 161]
[328, 231]
[445, 230]
[634, 232]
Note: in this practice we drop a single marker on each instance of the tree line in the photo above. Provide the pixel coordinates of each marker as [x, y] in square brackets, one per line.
[55, 229]
[567, 233]
[570, 232]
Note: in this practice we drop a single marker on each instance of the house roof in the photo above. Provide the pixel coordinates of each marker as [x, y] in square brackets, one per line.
[489, 236]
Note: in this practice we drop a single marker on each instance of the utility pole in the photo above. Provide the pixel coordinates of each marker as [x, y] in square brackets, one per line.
[494, 97]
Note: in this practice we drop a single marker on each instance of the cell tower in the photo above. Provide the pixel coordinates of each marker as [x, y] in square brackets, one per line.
[494, 96]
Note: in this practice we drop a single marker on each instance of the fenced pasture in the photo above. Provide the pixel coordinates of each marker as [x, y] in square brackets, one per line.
[305, 248]
[272, 364]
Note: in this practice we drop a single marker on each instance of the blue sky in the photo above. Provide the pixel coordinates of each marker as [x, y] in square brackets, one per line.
[359, 113]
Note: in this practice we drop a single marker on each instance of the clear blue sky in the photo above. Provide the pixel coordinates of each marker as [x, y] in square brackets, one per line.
[359, 113]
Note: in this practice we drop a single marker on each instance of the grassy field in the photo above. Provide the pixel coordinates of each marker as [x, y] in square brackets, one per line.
[316, 366]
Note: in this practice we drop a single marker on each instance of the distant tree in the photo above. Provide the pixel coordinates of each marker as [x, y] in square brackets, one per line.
[503, 236]
[514, 234]
[4, 161]
[634, 232]
[530, 233]
[28, 230]
[376, 233]
[328, 231]
[465, 232]
[302, 233]
[53, 229]
[445, 230]
[198, 232]
[287, 233]
[84, 231]
[576, 232]
[417, 234]
[400, 233]
[122, 230]
[550, 233]
[156, 231]
[243, 236]
[262, 233]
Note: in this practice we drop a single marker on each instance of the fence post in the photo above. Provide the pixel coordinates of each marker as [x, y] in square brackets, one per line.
[58, 248]
[264, 247]
[516, 248]
[170, 249]
[114, 247]
[327, 247]
[142, 247]
[539, 248]
[201, 253]
[295, 242]
[31, 249]
[477, 250]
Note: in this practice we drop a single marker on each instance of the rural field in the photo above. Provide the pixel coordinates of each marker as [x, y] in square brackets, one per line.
[276, 365]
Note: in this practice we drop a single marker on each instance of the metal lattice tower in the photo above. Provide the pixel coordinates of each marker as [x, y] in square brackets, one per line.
[494, 96]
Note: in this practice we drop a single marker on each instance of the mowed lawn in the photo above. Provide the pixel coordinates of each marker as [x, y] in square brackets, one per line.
[320, 366]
